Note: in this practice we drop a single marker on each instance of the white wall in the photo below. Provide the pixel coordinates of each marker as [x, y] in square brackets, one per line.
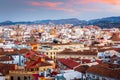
[2, 77]
[16, 59]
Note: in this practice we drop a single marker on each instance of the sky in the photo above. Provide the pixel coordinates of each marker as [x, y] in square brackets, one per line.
[31, 10]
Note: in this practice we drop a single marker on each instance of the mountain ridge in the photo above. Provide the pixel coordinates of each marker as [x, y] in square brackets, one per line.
[106, 22]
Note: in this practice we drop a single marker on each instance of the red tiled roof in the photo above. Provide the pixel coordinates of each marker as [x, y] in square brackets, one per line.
[34, 55]
[17, 42]
[102, 50]
[6, 58]
[82, 68]
[108, 70]
[68, 62]
[86, 61]
[34, 64]
[16, 51]
[99, 61]
[115, 37]
[2, 51]
[29, 54]
[76, 59]
[85, 52]
[116, 49]
[35, 60]
[4, 68]
[54, 73]
[45, 64]
[24, 50]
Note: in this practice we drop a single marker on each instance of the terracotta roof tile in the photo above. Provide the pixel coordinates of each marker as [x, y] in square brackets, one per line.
[115, 37]
[82, 68]
[108, 70]
[36, 64]
[45, 64]
[85, 52]
[6, 58]
[4, 68]
[86, 61]
[68, 62]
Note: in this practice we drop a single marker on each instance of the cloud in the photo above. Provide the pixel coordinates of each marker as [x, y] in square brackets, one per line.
[74, 6]
[86, 5]
[51, 5]
[110, 2]
[45, 4]
[63, 9]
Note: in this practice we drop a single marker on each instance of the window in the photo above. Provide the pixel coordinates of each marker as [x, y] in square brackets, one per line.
[30, 78]
[44, 69]
[11, 78]
[88, 75]
[46, 53]
[97, 77]
[35, 48]
[18, 78]
[93, 76]
[103, 79]
[51, 57]
[25, 78]
[32, 69]
[54, 57]
[51, 53]
[55, 49]
[37, 69]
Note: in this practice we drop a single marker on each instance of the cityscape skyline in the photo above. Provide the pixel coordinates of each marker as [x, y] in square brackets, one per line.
[30, 10]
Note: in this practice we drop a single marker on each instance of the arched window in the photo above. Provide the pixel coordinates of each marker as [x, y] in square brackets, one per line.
[46, 53]
[25, 78]
[51, 57]
[51, 53]
[11, 78]
[29, 78]
[54, 57]
[18, 78]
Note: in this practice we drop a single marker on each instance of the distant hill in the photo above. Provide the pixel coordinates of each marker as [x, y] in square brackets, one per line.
[13, 23]
[107, 22]
[61, 21]
[6, 23]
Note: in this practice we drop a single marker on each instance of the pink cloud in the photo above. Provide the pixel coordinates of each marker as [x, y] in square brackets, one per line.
[51, 5]
[111, 2]
[68, 6]
[63, 9]
[45, 4]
